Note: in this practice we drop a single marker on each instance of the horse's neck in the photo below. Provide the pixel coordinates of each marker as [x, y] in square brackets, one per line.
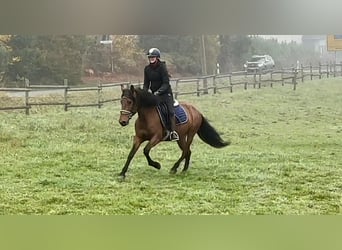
[144, 114]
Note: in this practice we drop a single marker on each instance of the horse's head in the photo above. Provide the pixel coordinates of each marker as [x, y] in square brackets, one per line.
[134, 99]
[128, 105]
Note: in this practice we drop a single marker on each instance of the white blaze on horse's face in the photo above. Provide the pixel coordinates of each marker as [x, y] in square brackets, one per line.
[126, 111]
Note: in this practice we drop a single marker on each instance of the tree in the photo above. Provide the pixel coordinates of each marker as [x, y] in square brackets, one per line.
[46, 58]
[212, 49]
[128, 57]
[284, 54]
[183, 52]
[124, 53]
[233, 52]
[180, 52]
[4, 54]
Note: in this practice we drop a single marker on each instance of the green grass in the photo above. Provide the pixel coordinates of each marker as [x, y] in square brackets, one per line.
[285, 158]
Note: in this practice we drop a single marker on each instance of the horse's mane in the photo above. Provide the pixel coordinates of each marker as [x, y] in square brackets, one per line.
[146, 99]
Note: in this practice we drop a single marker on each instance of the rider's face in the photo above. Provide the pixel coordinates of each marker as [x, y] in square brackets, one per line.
[152, 59]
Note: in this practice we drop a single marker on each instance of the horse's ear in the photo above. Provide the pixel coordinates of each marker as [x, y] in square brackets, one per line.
[122, 86]
[134, 91]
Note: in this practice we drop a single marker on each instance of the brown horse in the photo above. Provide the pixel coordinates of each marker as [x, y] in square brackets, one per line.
[148, 127]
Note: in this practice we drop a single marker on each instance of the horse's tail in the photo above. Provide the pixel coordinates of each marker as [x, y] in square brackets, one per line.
[209, 135]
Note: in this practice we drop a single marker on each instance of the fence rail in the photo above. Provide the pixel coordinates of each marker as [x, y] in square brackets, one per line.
[181, 86]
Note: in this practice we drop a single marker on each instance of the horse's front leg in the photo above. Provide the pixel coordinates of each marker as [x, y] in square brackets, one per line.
[136, 144]
[153, 142]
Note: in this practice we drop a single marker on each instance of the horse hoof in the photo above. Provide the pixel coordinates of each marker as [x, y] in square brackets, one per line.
[173, 171]
[156, 165]
[121, 177]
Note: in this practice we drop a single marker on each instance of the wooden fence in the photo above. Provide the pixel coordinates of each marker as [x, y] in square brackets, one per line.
[181, 86]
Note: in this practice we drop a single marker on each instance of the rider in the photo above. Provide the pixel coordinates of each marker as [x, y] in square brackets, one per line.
[156, 79]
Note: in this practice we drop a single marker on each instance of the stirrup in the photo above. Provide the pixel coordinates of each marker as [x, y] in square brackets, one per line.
[174, 136]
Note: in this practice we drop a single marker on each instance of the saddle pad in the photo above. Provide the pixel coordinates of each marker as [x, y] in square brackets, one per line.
[180, 114]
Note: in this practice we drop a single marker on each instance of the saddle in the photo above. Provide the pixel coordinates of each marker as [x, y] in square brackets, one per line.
[180, 114]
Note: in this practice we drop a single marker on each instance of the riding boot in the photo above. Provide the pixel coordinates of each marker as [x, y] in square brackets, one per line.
[174, 135]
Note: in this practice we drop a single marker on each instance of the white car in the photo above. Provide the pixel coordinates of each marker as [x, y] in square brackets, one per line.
[259, 63]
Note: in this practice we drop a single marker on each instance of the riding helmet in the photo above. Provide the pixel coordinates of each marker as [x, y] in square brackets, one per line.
[153, 52]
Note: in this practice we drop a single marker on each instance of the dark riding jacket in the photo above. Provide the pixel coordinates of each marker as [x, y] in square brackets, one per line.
[156, 78]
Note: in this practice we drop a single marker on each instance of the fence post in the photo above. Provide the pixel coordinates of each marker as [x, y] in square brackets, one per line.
[310, 71]
[245, 84]
[302, 72]
[259, 80]
[205, 85]
[328, 64]
[320, 70]
[198, 87]
[294, 79]
[66, 94]
[214, 84]
[271, 79]
[27, 105]
[230, 83]
[99, 91]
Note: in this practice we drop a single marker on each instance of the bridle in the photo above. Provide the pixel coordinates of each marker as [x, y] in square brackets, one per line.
[126, 112]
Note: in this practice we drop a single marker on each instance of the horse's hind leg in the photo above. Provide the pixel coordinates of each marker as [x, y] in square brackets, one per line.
[147, 149]
[187, 161]
[182, 145]
[190, 137]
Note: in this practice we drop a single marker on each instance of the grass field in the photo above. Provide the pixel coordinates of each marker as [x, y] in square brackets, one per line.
[285, 158]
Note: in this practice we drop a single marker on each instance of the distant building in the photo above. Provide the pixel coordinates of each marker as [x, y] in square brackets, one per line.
[319, 44]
